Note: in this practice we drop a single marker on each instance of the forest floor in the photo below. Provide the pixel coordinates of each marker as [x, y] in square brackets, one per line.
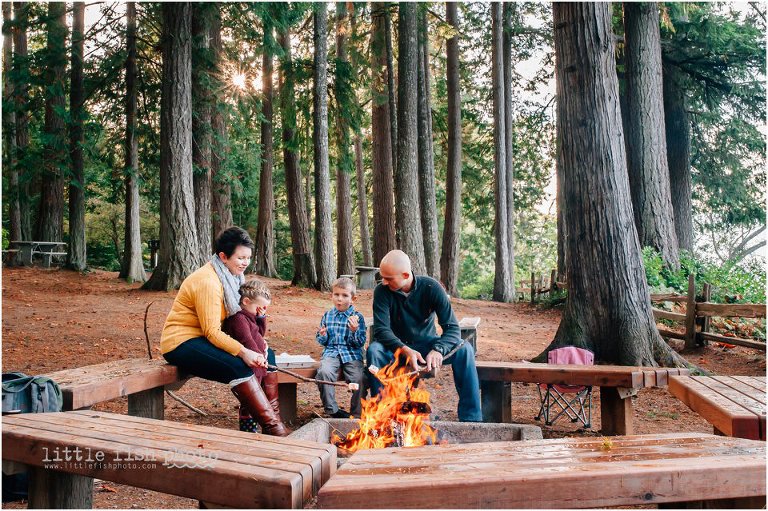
[55, 319]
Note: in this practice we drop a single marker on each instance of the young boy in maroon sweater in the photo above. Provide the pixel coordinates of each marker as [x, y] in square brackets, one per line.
[249, 326]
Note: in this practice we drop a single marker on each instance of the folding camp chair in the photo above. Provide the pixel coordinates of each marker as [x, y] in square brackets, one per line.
[575, 401]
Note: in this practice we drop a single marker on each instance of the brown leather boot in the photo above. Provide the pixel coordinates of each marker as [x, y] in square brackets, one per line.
[252, 397]
[270, 386]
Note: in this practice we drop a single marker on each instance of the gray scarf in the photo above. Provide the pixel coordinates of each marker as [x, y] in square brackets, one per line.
[231, 285]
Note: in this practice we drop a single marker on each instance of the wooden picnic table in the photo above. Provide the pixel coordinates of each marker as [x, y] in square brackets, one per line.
[617, 386]
[584, 472]
[232, 469]
[734, 405]
[27, 249]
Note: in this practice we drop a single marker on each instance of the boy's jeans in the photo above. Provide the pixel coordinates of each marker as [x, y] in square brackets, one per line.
[464, 376]
[329, 371]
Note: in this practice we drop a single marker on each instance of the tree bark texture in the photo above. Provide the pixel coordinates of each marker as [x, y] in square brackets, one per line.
[449, 257]
[50, 217]
[201, 124]
[381, 139]
[678, 134]
[324, 261]
[426, 153]
[221, 194]
[646, 141]
[265, 233]
[179, 248]
[344, 168]
[362, 204]
[21, 89]
[391, 89]
[610, 315]
[9, 128]
[408, 214]
[303, 264]
[509, 136]
[132, 267]
[503, 281]
[76, 256]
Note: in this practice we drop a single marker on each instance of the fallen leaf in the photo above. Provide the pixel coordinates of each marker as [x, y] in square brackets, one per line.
[105, 488]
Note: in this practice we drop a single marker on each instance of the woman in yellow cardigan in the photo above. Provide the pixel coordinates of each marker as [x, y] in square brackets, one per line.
[192, 338]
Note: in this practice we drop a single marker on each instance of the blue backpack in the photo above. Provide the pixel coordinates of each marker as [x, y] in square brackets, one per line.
[30, 394]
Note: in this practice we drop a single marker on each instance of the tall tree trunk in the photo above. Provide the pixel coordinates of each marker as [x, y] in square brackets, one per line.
[391, 89]
[21, 89]
[9, 127]
[509, 137]
[646, 142]
[408, 214]
[449, 258]
[678, 136]
[201, 125]
[381, 139]
[265, 234]
[362, 203]
[221, 194]
[562, 259]
[614, 321]
[326, 269]
[503, 282]
[303, 265]
[76, 257]
[179, 248]
[132, 267]
[344, 97]
[50, 218]
[426, 153]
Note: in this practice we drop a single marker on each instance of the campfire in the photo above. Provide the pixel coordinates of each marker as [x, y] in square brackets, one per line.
[394, 418]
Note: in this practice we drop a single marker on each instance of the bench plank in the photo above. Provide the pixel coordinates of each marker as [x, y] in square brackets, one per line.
[727, 409]
[85, 386]
[241, 470]
[639, 470]
[560, 374]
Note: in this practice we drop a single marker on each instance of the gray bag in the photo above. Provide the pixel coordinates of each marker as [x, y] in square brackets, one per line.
[30, 394]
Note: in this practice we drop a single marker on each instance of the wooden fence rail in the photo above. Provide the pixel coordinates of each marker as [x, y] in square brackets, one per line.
[697, 316]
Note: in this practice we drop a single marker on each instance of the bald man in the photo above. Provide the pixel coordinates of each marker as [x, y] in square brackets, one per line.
[404, 308]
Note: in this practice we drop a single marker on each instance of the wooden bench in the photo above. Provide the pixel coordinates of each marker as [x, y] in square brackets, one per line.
[48, 256]
[142, 380]
[9, 256]
[222, 467]
[554, 474]
[617, 385]
[734, 405]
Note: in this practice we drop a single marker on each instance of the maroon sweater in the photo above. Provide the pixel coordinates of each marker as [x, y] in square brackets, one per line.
[249, 329]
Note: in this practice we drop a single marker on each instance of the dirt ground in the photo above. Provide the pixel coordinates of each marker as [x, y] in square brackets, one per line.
[55, 319]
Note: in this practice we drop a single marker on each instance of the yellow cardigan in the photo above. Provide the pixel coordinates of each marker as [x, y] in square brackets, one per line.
[198, 311]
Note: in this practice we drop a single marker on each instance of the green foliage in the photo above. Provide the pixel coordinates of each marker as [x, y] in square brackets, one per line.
[730, 283]
[6, 241]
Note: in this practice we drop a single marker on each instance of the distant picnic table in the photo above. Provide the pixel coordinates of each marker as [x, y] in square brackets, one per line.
[27, 249]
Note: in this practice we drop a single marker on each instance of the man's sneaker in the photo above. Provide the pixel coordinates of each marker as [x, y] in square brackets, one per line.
[340, 414]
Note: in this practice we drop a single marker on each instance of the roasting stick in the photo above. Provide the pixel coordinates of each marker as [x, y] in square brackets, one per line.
[375, 370]
[349, 386]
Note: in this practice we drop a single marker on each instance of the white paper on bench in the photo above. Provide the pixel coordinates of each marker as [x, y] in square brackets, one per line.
[287, 361]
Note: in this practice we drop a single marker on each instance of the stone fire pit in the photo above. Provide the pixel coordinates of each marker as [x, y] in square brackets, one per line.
[319, 430]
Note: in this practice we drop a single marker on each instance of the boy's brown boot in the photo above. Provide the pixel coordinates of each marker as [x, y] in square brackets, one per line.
[270, 386]
[252, 397]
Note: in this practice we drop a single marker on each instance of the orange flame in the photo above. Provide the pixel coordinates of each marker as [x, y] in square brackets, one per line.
[383, 421]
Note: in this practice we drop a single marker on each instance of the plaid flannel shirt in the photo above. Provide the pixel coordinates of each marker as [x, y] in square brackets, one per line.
[339, 340]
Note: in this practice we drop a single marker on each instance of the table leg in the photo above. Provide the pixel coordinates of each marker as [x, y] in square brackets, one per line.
[615, 412]
[286, 394]
[52, 489]
[25, 255]
[496, 401]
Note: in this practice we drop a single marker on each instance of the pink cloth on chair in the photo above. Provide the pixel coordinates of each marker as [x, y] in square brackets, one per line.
[573, 356]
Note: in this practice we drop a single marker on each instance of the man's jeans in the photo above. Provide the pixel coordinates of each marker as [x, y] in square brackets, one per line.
[329, 370]
[464, 376]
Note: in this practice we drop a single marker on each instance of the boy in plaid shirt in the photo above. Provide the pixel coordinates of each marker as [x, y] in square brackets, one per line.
[342, 334]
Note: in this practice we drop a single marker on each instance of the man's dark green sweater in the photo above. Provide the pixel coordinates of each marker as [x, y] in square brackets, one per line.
[399, 319]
